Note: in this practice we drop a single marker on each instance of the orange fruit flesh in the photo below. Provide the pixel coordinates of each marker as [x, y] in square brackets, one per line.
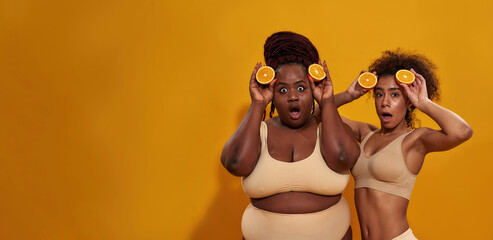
[367, 80]
[316, 72]
[405, 76]
[265, 75]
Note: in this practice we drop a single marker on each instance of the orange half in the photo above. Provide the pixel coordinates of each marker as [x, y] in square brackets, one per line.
[405, 76]
[367, 80]
[265, 75]
[317, 72]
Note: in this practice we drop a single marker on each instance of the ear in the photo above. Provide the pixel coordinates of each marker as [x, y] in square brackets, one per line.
[404, 94]
[408, 103]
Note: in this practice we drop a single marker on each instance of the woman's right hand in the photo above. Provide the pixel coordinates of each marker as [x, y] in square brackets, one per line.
[258, 92]
[355, 90]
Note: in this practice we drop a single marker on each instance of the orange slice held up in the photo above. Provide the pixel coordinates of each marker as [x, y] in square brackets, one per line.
[367, 80]
[405, 76]
[316, 72]
[265, 75]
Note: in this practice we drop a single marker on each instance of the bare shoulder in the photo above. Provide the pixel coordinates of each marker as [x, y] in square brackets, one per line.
[414, 139]
[366, 129]
[420, 133]
[269, 121]
[416, 134]
[359, 129]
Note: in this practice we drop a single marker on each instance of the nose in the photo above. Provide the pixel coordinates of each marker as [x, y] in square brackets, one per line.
[293, 96]
[386, 101]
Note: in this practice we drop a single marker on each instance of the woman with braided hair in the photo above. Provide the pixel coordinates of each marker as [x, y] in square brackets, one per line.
[294, 166]
[392, 155]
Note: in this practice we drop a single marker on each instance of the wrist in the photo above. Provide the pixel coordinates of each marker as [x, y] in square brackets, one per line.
[424, 105]
[326, 102]
[258, 105]
[348, 97]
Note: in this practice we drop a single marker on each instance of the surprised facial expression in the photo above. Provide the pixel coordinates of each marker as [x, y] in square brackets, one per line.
[391, 102]
[292, 95]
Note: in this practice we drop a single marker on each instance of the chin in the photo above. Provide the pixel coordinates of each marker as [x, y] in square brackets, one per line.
[295, 123]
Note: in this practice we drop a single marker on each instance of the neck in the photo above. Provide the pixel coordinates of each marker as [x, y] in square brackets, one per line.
[400, 128]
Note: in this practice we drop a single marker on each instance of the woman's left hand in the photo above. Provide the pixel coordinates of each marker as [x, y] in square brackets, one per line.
[417, 92]
[322, 90]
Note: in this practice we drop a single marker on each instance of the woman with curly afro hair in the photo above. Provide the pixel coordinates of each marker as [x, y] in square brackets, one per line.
[392, 155]
[294, 167]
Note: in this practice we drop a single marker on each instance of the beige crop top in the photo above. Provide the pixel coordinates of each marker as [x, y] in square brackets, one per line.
[385, 170]
[311, 174]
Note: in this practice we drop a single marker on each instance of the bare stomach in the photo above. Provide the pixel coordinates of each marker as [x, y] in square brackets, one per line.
[295, 202]
[381, 215]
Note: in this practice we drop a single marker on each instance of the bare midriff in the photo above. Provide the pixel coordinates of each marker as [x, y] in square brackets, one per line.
[381, 215]
[295, 202]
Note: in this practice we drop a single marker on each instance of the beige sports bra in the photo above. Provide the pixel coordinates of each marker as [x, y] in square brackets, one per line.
[311, 174]
[385, 170]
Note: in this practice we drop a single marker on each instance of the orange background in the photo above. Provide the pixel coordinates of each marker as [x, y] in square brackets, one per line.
[114, 113]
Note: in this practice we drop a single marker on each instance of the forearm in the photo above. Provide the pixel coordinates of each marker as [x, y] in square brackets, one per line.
[240, 152]
[450, 123]
[342, 98]
[338, 145]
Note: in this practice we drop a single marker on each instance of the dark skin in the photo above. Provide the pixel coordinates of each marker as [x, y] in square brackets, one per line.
[382, 215]
[292, 135]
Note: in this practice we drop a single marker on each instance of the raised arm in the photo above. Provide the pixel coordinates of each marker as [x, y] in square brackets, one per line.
[454, 130]
[241, 151]
[354, 91]
[338, 146]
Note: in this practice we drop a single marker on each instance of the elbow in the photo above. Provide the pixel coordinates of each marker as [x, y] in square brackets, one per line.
[230, 161]
[465, 134]
[239, 162]
[352, 152]
[232, 166]
[343, 155]
[236, 165]
[347, 157]
[352, 155]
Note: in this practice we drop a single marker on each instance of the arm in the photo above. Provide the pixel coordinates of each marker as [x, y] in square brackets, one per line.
[359, 129]
[454, 130]
[241, 151]
[338, 146]
[354, 91]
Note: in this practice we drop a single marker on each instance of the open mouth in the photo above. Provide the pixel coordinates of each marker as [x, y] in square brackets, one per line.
[386, 117]
[294, 112]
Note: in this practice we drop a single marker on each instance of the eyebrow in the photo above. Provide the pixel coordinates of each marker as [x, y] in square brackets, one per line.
[390, 89]
[300, 81]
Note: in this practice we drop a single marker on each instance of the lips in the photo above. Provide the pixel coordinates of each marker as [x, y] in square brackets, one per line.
[386, 117]
[294, 112]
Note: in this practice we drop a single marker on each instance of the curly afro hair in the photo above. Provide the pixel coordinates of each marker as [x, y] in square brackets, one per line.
[394, 60]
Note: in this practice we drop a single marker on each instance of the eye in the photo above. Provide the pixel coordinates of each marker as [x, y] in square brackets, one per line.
[395, 95]
[283, 90]
[300, 88]
[378, 95]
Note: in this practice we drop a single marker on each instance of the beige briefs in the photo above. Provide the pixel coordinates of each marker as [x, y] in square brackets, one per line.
[407, 235]
[331, 223]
